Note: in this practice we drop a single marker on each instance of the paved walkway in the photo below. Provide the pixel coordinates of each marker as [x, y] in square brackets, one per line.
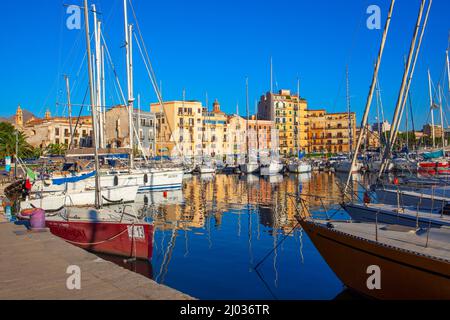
[33, 266]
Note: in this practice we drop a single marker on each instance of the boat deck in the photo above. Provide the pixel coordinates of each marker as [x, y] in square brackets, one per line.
[401, 237]
[34, 267]
[434, 216]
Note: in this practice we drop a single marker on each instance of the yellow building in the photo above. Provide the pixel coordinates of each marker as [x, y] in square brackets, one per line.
[371, 138]
[179, 127]
[216, 133]
[289, 113]
[329, 132]
[259, 136]
[191, 130]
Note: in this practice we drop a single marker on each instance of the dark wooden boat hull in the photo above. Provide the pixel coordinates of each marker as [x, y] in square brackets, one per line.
[404, 275]
[120, 239]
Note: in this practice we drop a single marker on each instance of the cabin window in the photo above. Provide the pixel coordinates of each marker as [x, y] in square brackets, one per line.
[116, 181]
[146, 178]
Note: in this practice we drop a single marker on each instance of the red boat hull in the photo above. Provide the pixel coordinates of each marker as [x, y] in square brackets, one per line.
[432, 168]
[120, 239]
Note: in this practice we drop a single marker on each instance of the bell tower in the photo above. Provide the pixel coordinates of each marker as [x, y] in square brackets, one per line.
[48, 115]
[216, 106]
[19, 117]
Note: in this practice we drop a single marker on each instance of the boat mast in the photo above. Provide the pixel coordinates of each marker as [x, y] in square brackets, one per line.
[350, 136]
[103, 109]
[371, 92]
[238, 137]
[433, 134]
[442, 119]
[129, 61]
[271, 75]
[69, 107]
[139, 117]
[406, 85]
[448, 71]
[208, 135]
[182, 128]
[257, 133]
[248, 116]
[296, 123]
[98, 198]
[379, 125]
[98, 75]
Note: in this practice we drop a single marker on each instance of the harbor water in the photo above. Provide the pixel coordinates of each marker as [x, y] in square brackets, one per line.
[232, 237]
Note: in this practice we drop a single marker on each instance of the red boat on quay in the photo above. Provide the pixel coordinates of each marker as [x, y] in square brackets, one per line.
[113, 238]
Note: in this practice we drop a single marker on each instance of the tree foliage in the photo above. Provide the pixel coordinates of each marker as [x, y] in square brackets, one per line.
[8, 137]
[56, 149]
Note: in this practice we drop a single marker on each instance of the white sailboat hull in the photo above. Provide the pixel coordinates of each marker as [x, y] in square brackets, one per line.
[300, 168]
[145, 179]
[207, 170]
[404, 165]
[375, 166]
[273, 169]
[249, 168]
[81, 198]
[346, 167]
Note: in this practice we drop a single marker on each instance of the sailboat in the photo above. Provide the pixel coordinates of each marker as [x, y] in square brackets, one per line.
[206, 167]
[148, 177]
[435, 162]
[298, 165]
[251, 165]
[99, 229]
[411, 263]
[412, 267]
[347, 165]
[274, 167]
[80, 197]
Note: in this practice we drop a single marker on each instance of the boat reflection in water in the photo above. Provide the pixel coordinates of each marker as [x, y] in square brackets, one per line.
[211, 237]
[141, 267]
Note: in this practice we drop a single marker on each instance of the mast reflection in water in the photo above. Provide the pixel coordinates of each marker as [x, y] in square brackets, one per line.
[210, 236]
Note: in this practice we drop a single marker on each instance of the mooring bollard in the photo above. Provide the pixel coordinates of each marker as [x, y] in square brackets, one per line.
[36, 218]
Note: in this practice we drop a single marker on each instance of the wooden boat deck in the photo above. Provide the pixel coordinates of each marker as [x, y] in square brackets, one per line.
[34, 266]
[401, 237]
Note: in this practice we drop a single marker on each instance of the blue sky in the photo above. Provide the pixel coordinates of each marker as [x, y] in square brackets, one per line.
[211, 46]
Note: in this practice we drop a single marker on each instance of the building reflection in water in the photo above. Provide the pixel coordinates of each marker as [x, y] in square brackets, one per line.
[254, 206]
[272, 198]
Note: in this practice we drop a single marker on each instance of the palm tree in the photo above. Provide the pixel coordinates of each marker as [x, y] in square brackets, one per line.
[38, 152]
[56, 149]
[8, 143]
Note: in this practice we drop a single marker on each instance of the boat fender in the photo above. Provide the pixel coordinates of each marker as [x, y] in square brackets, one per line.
[366, 198]
[48, 183]
[446, 210]
[112, 201]
[48, 211]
